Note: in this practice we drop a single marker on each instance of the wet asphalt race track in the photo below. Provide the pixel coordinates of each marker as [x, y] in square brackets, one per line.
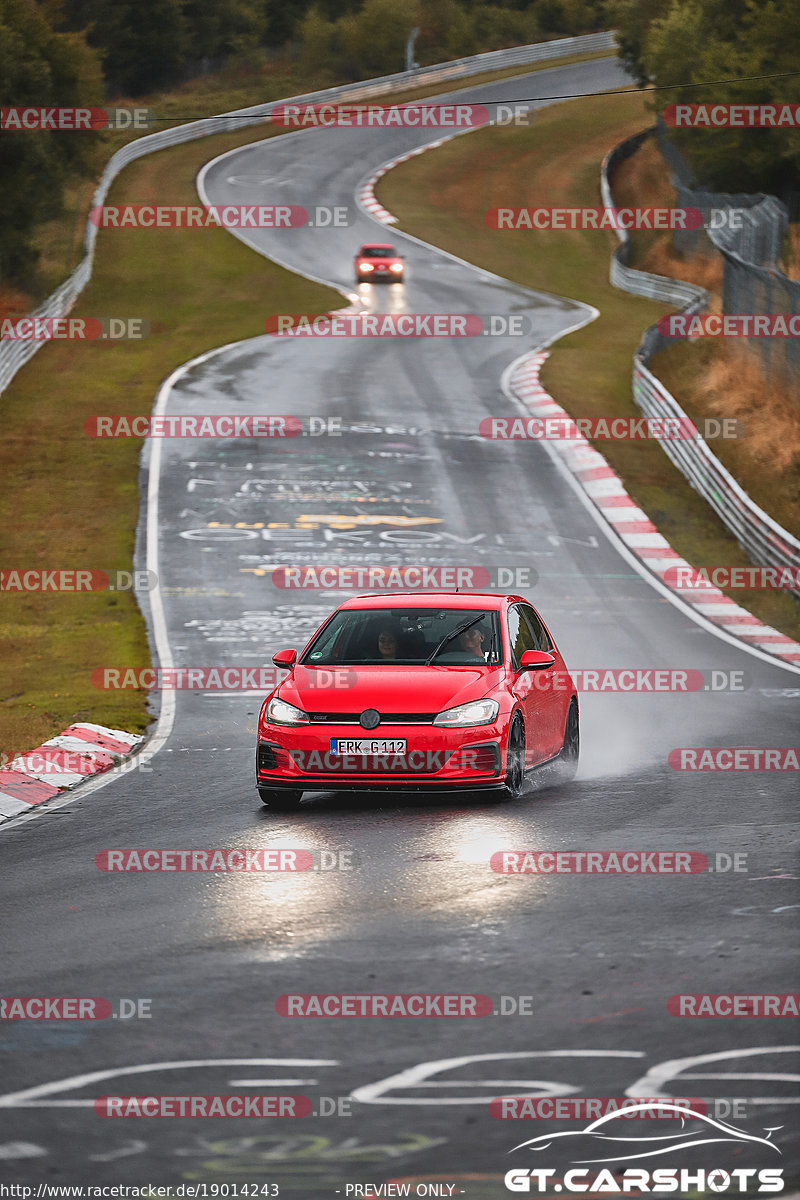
[420, 911]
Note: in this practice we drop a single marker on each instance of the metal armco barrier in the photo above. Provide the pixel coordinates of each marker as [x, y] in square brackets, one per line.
[764, 540]
[14, 355]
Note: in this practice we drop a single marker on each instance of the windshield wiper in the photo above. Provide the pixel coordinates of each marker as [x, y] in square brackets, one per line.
[448, 637]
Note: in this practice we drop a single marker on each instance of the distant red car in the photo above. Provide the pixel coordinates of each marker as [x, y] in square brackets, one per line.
[378, 260]
[419, 691]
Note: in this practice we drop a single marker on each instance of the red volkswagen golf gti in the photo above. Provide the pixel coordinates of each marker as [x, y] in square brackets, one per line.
[423, 692]
[378, 260]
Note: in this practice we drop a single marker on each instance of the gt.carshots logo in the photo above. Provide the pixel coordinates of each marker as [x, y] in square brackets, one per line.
[591, 1147]
[637, 1181]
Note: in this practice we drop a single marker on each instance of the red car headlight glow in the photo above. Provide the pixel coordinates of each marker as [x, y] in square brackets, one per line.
[477, 712]
[281, 713]
[366, 266]
[396, 267]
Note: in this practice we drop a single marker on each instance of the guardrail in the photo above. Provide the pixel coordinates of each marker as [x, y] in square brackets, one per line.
[13, 355]
[764, 540]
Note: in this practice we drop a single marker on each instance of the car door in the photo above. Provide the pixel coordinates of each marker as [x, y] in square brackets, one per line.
[550, 684]
[525, 688]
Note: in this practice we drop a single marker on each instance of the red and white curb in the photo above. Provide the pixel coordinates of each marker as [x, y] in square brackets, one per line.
[60, 763]
[607, 492]
[365, 195]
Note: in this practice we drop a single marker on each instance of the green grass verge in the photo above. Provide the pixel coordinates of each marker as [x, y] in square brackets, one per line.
[71, 501]
[442, 197]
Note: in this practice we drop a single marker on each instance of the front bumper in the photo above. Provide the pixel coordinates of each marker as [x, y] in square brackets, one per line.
[435, 760]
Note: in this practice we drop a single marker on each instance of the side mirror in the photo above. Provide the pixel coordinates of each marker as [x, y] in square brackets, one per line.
[285, 658]
[536, 660]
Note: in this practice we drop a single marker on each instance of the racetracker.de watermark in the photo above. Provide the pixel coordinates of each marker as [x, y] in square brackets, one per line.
[712, 578]
[226, 859]
[732, 116]
[583, 219]
[226, 216]
[404, 579]
[73, 329]
[721, 1004]
[399, 325]
[590, 1108]
[200, 679]
[73, 1008]
[398, 116]
[23, 580]
[397, 1004]
[729, 325]
[238, 1106]
[639, 679]
[616, 862]
[211, 425]
[603, 429]
[46, 117]
[735, 758]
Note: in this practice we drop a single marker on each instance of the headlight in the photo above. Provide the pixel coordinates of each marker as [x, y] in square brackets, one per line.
[281, 713]
[478, 712]
[396, 267]
[366, 267]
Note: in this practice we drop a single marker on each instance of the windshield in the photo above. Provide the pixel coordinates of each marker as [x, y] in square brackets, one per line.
[407, 636]
[377, 252]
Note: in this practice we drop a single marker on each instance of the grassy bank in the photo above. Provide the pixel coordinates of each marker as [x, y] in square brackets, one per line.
[442, 197]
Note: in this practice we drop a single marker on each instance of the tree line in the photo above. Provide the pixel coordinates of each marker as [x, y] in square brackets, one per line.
[87, 52]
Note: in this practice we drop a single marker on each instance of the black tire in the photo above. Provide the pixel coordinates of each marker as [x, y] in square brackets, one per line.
[570, 754]
[515, 762]
[280, 798]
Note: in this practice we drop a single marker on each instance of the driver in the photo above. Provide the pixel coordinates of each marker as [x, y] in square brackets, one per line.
[471, 642]
[387, 644]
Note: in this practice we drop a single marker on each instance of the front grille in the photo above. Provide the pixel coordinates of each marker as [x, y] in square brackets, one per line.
[386, 718]
[388, 764]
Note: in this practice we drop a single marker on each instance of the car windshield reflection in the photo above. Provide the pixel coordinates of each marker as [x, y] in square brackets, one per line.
[408, 637]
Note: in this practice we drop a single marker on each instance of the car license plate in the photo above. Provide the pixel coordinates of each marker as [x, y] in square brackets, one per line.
[368, 746]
